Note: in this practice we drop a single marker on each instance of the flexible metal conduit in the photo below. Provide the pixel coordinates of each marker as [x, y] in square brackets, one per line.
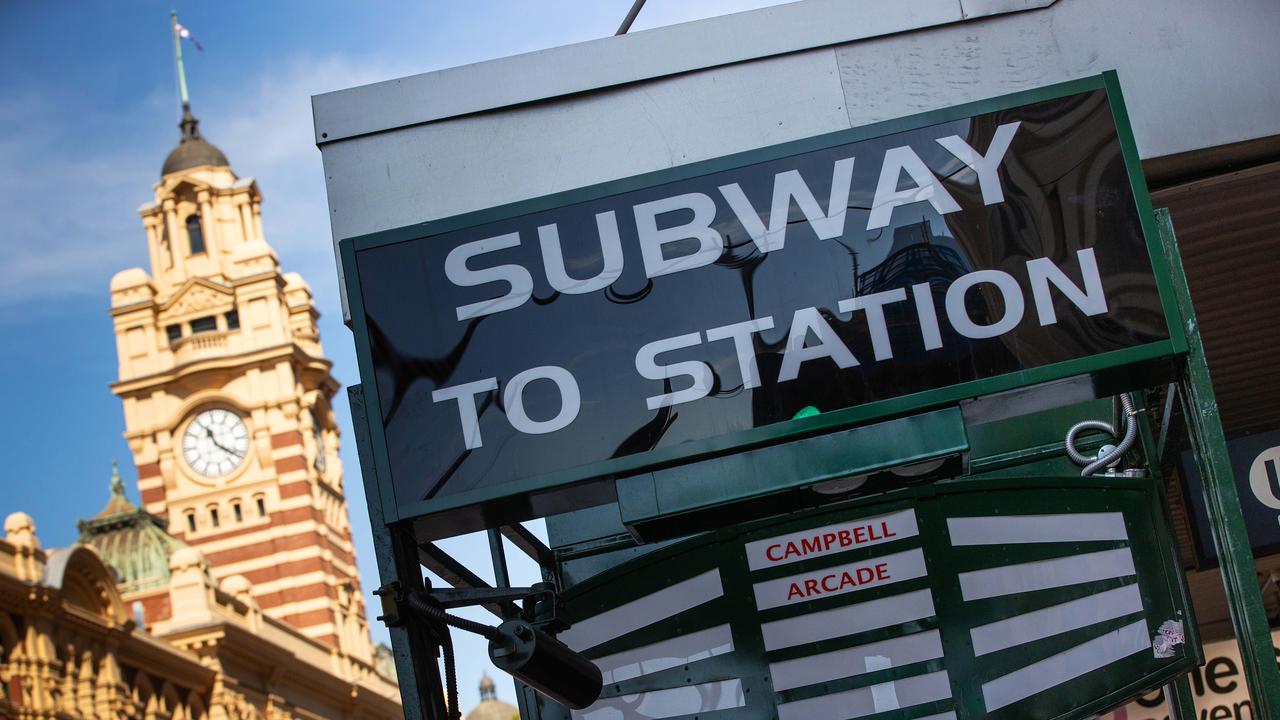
[1110, 459]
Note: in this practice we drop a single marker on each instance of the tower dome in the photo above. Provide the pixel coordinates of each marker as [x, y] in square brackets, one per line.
[131, 541]
[193, 150]
[490, 707]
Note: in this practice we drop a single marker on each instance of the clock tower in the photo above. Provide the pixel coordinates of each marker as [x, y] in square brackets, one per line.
[227, 399]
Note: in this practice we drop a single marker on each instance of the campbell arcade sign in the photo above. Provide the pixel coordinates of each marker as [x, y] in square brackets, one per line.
[518, 359]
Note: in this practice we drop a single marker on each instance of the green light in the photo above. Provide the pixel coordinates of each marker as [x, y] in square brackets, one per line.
[806, 411]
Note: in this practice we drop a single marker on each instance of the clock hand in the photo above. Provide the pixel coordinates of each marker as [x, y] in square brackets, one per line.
[209, 434]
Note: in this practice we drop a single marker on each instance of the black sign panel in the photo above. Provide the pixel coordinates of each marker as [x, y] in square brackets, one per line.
[1255, 462]
[701, 309]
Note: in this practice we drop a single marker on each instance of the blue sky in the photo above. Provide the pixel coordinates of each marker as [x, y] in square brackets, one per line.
[89, 112]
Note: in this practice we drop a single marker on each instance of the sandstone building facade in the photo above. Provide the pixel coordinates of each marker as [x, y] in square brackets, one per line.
[226, 395]
[231, 591]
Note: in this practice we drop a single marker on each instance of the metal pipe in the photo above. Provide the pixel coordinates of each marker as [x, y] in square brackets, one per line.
[499, 556]
[1130, 434]
[630, 18]
[1112, 456]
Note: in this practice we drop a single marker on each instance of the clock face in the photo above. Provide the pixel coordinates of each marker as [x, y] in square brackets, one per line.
[215, 442]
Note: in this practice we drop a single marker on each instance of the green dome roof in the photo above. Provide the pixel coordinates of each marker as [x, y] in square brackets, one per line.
[131, 541]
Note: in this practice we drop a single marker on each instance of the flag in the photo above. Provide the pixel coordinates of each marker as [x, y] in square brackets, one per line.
[185, 34]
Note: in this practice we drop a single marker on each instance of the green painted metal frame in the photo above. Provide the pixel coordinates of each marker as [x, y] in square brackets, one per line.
[397, 560]
[1158, 565]
[688, 495]
[394, 510]
[1230, 538]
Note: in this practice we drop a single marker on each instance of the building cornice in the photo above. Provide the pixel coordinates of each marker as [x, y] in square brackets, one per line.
[198, 367]
[132, 307]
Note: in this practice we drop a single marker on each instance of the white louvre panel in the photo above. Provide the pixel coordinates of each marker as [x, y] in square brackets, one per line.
[861, 702]
[1014, 529]
[672, 702]
[847, 620]
[1067, 665]
[647, 610]
[863, 532]
[841, 579]
[662, 655]
[1040, 624]
[1025, 629]
[849, 662]
[1045, 574]
[905, 646]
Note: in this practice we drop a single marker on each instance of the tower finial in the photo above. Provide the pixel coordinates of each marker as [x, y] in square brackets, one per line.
[117, 485]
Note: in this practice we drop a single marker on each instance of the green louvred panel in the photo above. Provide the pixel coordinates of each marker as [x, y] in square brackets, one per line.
[1006, 599]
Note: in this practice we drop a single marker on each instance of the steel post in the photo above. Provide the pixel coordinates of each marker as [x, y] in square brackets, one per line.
[1200, 408]
[1180, 699]
[420, 693]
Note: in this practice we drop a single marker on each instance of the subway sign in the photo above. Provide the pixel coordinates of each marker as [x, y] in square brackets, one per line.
[516, 354]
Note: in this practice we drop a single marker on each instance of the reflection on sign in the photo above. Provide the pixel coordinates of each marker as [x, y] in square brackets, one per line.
[592, 334]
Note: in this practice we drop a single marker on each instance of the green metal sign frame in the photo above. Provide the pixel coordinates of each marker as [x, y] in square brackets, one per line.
[393, 510]
[1158, 575]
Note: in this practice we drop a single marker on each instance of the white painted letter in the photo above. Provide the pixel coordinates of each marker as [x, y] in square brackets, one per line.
[1091, 300]
[710, 244]
[929, 332]
[959, 315]
[829, 344]
[570, 400]
[521, 282]
[874, 304]
[741, 334]
[648, 368]
[985, 167]
[465, 394]
[788, 185]
[610, 252]
[888, 196]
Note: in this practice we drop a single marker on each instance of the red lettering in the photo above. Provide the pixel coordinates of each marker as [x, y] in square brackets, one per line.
[810, 545]
[845, 538]
[794, 591]
[792, 550]
[887, 532]
[860, 534]
[811, 587]
[828, 587]
[828, 539]
[882, 571]
[768, 552]
[871, 534]
[865, 575]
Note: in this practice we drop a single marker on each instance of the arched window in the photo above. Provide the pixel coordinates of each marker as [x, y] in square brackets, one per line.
[195, 235]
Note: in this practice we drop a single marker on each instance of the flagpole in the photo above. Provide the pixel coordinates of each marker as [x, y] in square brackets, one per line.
[177, 54]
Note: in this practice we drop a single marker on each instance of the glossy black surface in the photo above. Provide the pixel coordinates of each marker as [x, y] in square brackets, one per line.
[1065, 188]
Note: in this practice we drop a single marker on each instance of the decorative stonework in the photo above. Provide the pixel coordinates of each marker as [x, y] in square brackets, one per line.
[198, 297]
